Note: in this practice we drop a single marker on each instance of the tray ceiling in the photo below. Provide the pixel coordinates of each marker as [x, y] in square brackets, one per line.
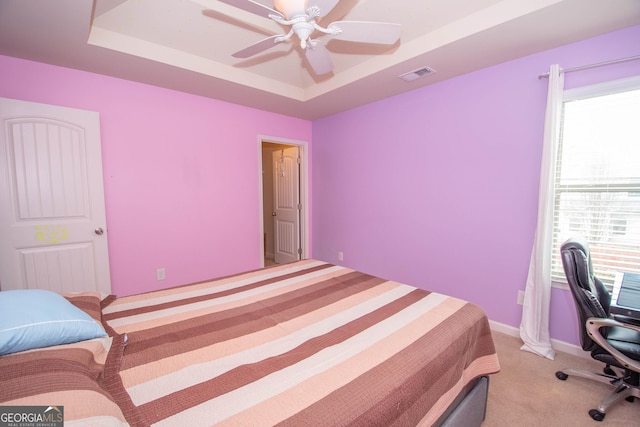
[187, 44]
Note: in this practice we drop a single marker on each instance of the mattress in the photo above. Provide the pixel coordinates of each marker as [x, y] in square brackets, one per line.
[307, 343]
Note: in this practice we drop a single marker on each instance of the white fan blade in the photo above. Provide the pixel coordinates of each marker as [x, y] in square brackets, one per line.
[366, 32]
[253, 7]
[256, 48]
[324, 6]
[319, 58]
[257, 24]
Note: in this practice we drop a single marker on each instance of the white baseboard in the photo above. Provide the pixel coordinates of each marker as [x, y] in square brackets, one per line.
[557, 345]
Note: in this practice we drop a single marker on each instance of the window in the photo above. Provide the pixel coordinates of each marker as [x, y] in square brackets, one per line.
[597, 183]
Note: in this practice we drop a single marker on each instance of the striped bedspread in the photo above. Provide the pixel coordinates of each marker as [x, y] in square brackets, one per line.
[302, 344]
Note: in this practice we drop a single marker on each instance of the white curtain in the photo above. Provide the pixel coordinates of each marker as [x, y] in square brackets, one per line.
[534, 327]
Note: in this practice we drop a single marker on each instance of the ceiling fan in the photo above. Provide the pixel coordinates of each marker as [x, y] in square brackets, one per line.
[302, 17]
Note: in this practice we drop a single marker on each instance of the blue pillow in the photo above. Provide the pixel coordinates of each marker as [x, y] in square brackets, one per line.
[36, 318]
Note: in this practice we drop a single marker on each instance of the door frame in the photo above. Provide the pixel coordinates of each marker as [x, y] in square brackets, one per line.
[303, 146]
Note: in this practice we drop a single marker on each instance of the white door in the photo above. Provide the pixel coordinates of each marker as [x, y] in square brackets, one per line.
[286, 203]
[52, 215]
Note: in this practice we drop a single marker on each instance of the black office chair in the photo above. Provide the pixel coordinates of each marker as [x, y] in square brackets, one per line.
[610, 341]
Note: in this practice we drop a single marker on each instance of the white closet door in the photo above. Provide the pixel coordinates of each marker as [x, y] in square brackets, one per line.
[286, 191]
[52, 213]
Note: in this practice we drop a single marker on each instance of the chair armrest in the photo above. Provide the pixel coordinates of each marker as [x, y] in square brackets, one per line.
[594, 324]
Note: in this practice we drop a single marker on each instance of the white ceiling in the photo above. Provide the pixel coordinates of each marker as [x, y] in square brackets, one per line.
[187, 44]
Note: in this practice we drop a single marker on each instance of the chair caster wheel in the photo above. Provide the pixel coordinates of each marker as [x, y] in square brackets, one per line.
[629, 398]
[561, 375]
[596, 415]
[607, 370]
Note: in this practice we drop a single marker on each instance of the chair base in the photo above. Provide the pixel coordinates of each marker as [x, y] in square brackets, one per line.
[621, 389]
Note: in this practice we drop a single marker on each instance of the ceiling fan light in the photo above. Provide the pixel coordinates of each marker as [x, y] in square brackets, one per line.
[303, 30]
[291, 8]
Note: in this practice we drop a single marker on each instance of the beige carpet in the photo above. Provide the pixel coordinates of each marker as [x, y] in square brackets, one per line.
[526, 392]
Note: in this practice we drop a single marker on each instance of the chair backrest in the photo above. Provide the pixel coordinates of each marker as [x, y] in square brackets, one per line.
[589, 294]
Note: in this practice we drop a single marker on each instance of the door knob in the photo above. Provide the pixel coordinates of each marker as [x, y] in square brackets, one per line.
[99, 231]
[273, 214]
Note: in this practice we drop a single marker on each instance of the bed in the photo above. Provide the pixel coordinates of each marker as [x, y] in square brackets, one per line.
[307, 343]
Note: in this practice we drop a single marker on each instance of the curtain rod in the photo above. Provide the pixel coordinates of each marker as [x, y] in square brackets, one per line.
[584, 67]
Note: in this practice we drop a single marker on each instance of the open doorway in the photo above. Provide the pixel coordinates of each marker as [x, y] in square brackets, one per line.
[284, 229]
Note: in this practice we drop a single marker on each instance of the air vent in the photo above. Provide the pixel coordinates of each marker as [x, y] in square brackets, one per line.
[416, 74]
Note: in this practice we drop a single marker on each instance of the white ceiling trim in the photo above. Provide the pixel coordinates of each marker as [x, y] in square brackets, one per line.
[470, 25]
[253, 20]
[159, 53]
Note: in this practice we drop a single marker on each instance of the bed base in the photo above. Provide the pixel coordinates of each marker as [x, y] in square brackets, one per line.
[470, 411]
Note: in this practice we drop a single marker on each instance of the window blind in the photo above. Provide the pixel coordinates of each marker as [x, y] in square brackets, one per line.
[597, 182]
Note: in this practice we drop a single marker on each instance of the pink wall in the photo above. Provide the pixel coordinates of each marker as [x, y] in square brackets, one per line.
[180, 172]
[438, 187]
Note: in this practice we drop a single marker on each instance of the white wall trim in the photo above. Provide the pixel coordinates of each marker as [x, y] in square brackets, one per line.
[557, 345]
[600, 89]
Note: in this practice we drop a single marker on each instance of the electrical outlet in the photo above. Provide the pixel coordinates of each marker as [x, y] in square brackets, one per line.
[340, 256]
[520, 297]
[160, 274]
